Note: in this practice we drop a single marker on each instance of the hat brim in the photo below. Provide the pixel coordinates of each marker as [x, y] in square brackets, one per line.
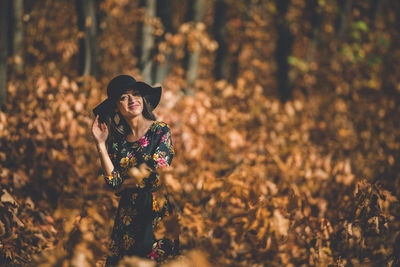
[103, 109]
[152, 94]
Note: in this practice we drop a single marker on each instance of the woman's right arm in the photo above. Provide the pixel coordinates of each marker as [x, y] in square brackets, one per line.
[106, 162]
[100, 134]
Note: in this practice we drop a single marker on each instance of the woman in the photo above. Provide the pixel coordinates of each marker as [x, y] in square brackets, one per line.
[128, 136]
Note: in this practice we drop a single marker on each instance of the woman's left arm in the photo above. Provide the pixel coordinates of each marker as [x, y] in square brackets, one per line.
[162, 155]
[164, 151]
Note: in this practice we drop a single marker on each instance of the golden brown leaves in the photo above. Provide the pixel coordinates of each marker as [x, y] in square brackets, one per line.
[255, 181]
[193, 258]
[169, 227]
[139, 173]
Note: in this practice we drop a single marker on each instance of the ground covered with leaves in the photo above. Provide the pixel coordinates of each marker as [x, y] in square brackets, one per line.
[312, 181]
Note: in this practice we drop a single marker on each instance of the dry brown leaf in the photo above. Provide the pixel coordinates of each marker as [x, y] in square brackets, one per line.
[6, 197]
[139, 173]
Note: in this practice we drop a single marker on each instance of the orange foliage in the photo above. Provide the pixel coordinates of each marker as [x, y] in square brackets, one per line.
[312, 181]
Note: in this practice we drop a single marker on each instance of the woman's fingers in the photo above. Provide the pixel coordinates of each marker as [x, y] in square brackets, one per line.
[104, 127]
[96, 121]
[99, 130]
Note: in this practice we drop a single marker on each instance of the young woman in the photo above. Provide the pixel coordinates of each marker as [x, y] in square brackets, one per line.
[128, 136]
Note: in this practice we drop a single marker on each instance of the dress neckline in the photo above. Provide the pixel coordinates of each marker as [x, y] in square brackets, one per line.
[148, 130]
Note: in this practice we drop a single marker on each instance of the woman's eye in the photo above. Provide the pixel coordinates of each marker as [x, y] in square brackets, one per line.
[123, 97]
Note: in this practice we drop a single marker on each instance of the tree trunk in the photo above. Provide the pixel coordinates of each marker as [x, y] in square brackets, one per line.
[313, 17]
[390, 64]
[165, 13]
[4, 11]
[18, 34]
[86, 11]
[146, 61]
[162, 69]
[374, 10]
[234, 65]
[220, 70]
[283, 50]
[315, 21]
[194, 56]
[342, 20]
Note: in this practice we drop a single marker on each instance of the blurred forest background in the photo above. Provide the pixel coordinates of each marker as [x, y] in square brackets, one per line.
[285, 118]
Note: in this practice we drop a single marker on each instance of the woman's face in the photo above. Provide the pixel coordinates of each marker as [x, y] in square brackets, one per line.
[130, 104]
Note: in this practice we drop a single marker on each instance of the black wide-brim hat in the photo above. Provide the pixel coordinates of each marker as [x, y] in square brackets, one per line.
[119, 85]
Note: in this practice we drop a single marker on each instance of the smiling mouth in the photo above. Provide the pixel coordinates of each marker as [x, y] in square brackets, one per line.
[133, 106]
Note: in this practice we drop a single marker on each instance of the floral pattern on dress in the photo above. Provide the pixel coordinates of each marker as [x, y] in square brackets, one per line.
[139, 209]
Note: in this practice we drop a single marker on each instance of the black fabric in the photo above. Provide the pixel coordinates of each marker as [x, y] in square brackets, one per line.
[103, 110]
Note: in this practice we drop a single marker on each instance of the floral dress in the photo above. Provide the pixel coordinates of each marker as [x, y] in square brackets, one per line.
[138, 210]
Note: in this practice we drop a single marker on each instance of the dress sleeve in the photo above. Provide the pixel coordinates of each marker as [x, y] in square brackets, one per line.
[161, 156]
[164, 150]
[114, 180]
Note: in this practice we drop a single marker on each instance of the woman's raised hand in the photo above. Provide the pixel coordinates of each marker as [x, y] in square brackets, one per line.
[99, 131]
